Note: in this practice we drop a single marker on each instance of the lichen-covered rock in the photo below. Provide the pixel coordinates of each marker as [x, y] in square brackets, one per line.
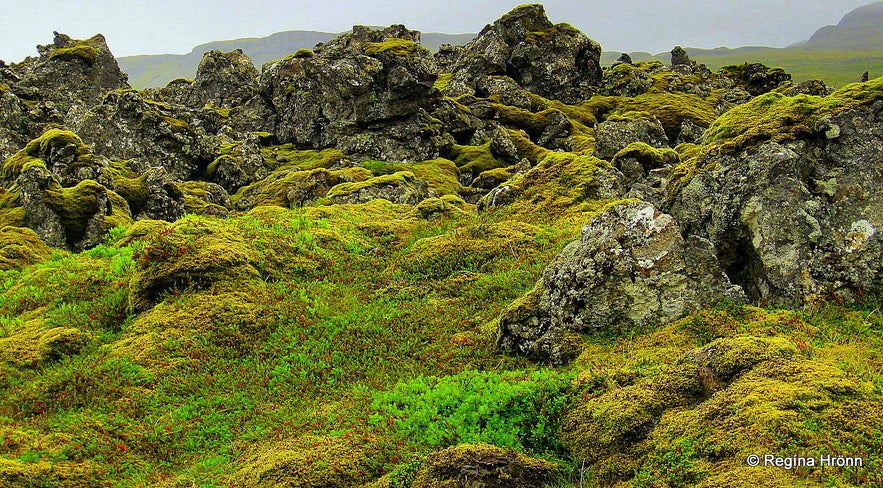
[69, 218]
[126, 126]
[70, 72]
[14, 122]
[552, 60]
[226, 82]
[366, 93]
[645, 170]
[628, 80]
[631, 268]
[756, 78]
[239, 164]
[484, 465]
[798, 221]
[64, 154]
[611, 136]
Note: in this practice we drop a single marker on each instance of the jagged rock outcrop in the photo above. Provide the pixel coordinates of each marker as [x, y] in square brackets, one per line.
[367, 93]
[758, 79]
[67, 218]
[553, 60]
[226, 82]
[796, 221]
[14, 122]
[69, 72]
[631, 268]
[125, 126]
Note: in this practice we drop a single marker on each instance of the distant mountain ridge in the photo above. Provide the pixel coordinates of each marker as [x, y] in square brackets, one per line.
[837, 54]
[859, 29]
[153, 70]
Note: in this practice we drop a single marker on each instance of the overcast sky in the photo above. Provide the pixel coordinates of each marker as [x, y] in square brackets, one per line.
[173, 26]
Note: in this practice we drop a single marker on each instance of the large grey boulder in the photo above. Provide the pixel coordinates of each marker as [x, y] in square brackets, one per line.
[631, 268]
[799, 221]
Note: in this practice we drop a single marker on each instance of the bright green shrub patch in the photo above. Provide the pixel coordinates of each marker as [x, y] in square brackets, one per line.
[514, 409]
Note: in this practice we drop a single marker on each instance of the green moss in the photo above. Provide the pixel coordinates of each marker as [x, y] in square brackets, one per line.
[378, 220]
[76, 206]
[561, 180]
[698, 418]
[435, 207]
[177, 125]
[307, 462]
[192, 253]
[34, 344]
[774, 117]
[483, 465]
[63, 474]
[561, 29]
[441, 174]
[40, 148]
[20, 247]
[133, 190]
[441, 83]
[648, 156]
[395, 46]
[199, 199]
[474, 159]
[81, 51]
[400, 178]
[295, 187]
[287, 157]
[303, 54]
[471, 250]
[671, 108]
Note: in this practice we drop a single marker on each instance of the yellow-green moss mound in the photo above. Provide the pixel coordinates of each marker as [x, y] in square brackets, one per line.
[306, 462]
[699, 419]
[483, 465]
[20, 247]
[191, 253]
[470, 250]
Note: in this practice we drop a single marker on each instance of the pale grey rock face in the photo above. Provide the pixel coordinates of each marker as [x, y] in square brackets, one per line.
[631, 268]
[614, 135]
[800, 221]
